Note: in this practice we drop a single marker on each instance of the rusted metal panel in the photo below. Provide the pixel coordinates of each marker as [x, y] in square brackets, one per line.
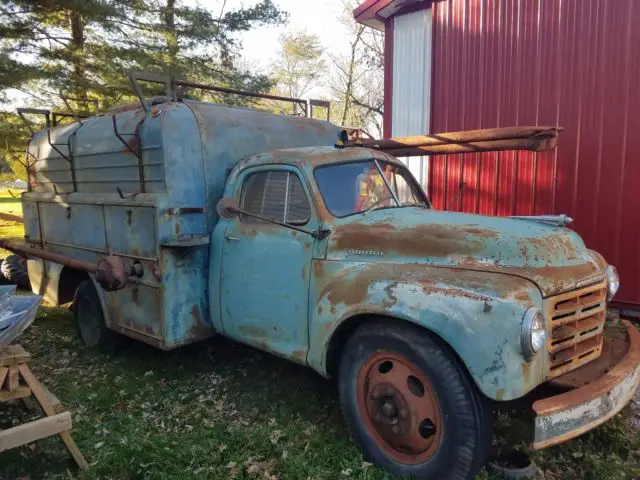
[31, 222]
[131, 231]
[575, 322]
[441, 300]
[137, 308]
[156, 208]
[577, 411]
[184, 276]
[229, 134]
[88, 156]
[569, 63]
[276, 319]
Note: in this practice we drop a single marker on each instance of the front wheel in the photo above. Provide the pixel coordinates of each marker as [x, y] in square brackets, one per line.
[410, 406]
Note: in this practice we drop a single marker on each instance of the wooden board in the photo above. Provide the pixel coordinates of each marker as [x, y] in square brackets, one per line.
[19, 392]
[53, 400]
[14, 371]
[13, 355]
[32, 431]
[38, 391]
[13, 380]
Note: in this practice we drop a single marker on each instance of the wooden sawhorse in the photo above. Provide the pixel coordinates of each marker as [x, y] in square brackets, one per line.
[17, 382]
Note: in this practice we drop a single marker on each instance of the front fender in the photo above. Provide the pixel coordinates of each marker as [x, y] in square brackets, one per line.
[478, 314]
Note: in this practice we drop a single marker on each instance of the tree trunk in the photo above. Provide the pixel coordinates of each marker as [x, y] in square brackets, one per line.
[348, 94]
[169, 20]
[79, 90]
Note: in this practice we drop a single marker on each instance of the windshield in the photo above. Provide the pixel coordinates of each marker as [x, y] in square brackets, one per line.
[360, 187]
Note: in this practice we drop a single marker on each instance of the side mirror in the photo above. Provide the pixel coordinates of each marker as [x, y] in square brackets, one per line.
[227, 208]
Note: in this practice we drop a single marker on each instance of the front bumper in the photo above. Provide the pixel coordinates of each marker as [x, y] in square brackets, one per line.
[570, 414]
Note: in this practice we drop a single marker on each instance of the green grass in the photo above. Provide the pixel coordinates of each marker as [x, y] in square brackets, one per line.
[10, 230]
[221, 410]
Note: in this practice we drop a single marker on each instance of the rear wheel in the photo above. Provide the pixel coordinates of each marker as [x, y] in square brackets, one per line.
[410, 406]
[14, 269]
[90, 322]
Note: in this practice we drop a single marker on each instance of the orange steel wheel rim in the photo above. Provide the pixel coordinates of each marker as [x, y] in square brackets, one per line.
[399, 408]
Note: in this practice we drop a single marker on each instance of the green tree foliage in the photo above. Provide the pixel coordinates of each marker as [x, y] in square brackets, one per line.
[14, 136]
[76, 53]
[83, 48]
[357, 77]
[299, 65]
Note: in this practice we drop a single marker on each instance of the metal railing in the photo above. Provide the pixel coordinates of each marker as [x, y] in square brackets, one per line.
[173, 86]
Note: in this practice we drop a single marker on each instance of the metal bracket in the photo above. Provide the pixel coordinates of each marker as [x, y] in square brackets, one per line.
[55, 115]
[320, 104]
[37, 111]
[120, 137]
[166, 80]
[127, 196]
[53, 145]
[74, 114]
[72, 167]
[137, 151]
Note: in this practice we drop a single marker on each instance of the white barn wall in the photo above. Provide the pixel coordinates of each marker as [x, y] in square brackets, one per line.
[411, 101]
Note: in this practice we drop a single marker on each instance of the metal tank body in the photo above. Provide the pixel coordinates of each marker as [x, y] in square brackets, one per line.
[144, 187]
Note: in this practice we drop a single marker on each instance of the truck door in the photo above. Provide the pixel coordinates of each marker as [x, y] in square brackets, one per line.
[265, 267]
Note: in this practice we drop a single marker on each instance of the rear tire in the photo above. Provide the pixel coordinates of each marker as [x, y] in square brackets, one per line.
[14, 269]
[411, 406]
[90, 322]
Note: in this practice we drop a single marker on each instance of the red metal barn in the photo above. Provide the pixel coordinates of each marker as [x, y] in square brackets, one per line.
[466, 64]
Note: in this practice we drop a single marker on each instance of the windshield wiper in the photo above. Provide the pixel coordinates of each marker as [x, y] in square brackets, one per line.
[414, 204]
[377, 205]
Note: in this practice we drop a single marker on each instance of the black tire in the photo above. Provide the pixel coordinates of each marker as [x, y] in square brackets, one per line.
[465, 418]
[14, 269]
[90, 322]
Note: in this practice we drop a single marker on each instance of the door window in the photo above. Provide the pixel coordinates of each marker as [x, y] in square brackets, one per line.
[277, 195]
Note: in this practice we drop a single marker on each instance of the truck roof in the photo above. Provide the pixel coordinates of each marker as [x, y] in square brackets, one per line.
[316, 156]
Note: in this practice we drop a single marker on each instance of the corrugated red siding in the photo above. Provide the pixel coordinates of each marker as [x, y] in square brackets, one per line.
[572, 63]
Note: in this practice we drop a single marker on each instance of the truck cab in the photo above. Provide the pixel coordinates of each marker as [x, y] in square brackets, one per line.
[177, 221]
[424, 316]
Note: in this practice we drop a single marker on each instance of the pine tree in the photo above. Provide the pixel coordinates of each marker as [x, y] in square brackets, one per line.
[76, 53]
[83, 48]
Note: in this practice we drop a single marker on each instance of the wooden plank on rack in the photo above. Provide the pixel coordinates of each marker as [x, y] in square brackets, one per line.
[15, 394]
[36, 430]
[13, 380]
[14, 355]
[41, 396]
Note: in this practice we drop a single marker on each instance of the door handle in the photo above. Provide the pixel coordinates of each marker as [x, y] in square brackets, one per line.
[231, 238]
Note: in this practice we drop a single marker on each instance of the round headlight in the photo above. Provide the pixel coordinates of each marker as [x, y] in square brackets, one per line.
[613, 282]
[533, 333]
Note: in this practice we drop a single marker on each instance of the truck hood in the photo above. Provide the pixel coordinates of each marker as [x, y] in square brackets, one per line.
[554, 258]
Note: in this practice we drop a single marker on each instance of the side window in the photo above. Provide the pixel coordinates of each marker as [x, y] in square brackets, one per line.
[276, 195]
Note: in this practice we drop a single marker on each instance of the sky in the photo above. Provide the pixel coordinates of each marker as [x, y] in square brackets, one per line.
[319, 17]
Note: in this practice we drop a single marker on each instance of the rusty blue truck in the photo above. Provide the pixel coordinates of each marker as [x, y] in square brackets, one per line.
[171, 221]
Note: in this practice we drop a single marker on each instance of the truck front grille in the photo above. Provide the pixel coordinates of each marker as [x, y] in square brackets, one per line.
[575, 321]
